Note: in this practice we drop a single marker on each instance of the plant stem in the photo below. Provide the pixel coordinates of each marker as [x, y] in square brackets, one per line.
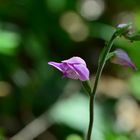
[91, 117]
[98, 75]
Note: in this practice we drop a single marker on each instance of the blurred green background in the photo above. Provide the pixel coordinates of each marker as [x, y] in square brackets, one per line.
[35, 102]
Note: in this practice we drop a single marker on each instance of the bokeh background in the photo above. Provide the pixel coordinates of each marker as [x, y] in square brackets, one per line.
[35, 101]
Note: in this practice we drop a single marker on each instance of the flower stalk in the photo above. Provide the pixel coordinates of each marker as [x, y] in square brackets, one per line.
[98, 75]
[121, 30]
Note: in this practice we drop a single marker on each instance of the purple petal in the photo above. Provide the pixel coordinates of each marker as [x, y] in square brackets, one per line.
[56, 65]
[123, 59]
[74, 60]
[82, 71]
[69, 71]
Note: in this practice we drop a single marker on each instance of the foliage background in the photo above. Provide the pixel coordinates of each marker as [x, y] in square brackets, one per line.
[35, 102]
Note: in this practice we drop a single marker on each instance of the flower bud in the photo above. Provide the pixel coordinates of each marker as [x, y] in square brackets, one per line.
[128, 31]
[123, 59]
[74, 68]
[123, 29]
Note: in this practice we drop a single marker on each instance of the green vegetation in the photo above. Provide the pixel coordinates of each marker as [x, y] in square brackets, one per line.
[35, 102]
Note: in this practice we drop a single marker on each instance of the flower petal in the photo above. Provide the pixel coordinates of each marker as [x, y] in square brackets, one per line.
[123, 59]
[69, 71]
[74, 60]
[56, 65]
[83, 71]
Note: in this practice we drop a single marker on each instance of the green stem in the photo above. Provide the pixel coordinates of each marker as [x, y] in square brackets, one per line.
[91, 117]
[98, 75]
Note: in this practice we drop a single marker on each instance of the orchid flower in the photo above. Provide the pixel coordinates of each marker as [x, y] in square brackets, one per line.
[74, 68]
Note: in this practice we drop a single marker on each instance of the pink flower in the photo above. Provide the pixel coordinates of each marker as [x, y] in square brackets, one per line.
[74, 68]
[123, 59]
